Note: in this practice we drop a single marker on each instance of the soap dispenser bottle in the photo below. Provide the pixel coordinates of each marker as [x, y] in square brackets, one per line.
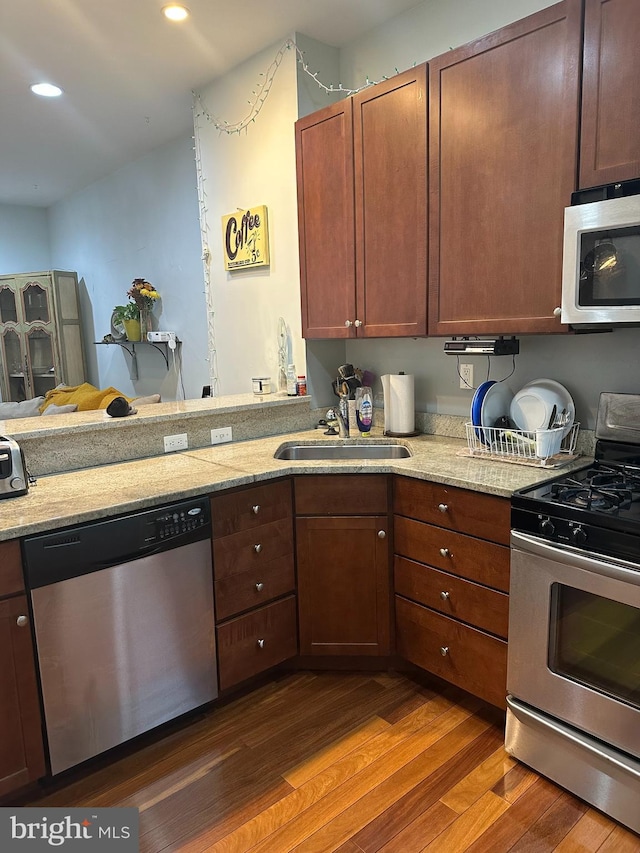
[364, 409]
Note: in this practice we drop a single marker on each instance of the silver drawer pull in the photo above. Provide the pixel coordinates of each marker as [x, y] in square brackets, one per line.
[261, 644]
[444, 651]
[259, 586]
[257, 548]
[255, 509]
[444, 595]
[445, 552]
[443, 507]
[381, 534]
[21, 621]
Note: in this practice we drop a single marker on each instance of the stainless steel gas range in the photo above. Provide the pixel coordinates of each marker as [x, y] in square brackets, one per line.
[573, 677]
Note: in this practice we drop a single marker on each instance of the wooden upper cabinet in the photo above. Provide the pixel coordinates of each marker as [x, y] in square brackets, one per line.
[503, 163]
[390, 160]
[362, 197]
[324, 166]
[610, 137]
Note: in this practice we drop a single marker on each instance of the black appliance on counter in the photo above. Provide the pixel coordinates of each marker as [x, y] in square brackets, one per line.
[573, 674]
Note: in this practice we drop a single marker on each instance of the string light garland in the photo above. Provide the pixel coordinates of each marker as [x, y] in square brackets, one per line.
[261, 92]
[206, 263]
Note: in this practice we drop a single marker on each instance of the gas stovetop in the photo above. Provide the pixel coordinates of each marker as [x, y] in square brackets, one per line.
[596, 508]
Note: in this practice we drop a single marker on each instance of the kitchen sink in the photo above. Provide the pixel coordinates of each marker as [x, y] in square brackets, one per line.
[333, 450]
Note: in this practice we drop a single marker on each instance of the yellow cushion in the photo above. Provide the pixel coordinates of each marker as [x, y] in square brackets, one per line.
[86, 396]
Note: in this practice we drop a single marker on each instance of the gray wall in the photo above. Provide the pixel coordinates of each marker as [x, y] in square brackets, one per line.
[24, 239]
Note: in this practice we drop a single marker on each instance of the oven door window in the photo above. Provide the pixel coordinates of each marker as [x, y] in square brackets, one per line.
[610, 267]
[596, 642]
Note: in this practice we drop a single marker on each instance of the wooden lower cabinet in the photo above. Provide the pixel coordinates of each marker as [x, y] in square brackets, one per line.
[254, 580]
[256, 641]
[343, 558]
[466, 656]
[21, 744]
[451, 583]
[343, 585]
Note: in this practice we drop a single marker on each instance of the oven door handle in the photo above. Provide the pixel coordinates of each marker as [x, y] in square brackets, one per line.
[612, 568]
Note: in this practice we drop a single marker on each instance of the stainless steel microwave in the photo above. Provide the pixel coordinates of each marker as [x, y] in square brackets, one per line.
[601, 257]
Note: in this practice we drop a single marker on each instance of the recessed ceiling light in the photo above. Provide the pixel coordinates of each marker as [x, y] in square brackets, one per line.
[175, 12]
[46, 90]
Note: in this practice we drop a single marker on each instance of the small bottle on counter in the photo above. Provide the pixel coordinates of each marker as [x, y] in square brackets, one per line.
[301, 386]
[292, 384]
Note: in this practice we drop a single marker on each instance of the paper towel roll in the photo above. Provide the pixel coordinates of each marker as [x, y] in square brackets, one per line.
[399, 404]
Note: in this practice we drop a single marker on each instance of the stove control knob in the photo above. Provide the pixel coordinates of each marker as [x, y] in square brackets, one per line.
[578, 536]
[547, 527]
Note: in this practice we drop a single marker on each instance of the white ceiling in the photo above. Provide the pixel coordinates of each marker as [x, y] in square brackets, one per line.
[127, 75]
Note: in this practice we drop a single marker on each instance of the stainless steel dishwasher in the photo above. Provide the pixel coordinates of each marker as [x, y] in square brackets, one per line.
[124, 626]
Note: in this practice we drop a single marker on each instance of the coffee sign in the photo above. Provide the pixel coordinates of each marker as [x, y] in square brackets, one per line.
[245, 238]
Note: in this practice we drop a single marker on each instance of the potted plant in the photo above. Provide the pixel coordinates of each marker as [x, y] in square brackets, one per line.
[129, 317]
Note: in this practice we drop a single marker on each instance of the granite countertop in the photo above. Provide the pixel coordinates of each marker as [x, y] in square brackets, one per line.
[60, 500]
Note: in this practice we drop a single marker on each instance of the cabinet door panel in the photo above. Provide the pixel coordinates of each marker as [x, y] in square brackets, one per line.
[324, 165]
[341, 494]
[503, 162]
[390, 161]
[343, 585]
[610, 138]
[21, 747]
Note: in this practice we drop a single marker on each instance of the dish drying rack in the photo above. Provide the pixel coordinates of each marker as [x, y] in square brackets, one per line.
[519, 446]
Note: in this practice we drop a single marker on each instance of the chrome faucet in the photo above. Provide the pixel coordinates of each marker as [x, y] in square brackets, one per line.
[337, 416]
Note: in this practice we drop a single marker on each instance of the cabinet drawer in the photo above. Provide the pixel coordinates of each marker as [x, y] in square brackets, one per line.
[461, 599]
[249, 508]
[486, 516]
[473, 660]
[252, 549]
[257, 641]
[462, 555]
[259, 585]
[341, 494]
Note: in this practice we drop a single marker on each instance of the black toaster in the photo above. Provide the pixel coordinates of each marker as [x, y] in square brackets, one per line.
[14, 480]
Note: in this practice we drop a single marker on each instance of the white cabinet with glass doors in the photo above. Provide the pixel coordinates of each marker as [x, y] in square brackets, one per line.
[40, 334]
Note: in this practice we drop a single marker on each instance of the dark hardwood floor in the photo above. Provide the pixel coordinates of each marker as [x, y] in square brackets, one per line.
[352, 763]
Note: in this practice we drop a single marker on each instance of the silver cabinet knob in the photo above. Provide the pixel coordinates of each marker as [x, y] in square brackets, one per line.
[259, 586]
[358, 323]
[557, 311]
[444, 595]
[445, 552]
[261, 644]
[21, 621]
[382, 534]
[443, 508]
[257, 548]
[348, 323]
[444, 651]
[255, 509]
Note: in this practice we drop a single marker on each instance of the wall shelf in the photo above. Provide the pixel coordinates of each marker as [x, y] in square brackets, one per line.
[130, 346]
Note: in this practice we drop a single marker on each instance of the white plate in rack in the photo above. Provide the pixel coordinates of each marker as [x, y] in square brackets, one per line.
[532, 406]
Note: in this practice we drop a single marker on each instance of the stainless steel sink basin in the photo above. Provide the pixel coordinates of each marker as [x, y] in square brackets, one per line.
[330, 450]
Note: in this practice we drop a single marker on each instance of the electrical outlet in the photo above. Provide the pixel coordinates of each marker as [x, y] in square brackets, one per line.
[175, 442]
[466, 377]
[220, 436]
